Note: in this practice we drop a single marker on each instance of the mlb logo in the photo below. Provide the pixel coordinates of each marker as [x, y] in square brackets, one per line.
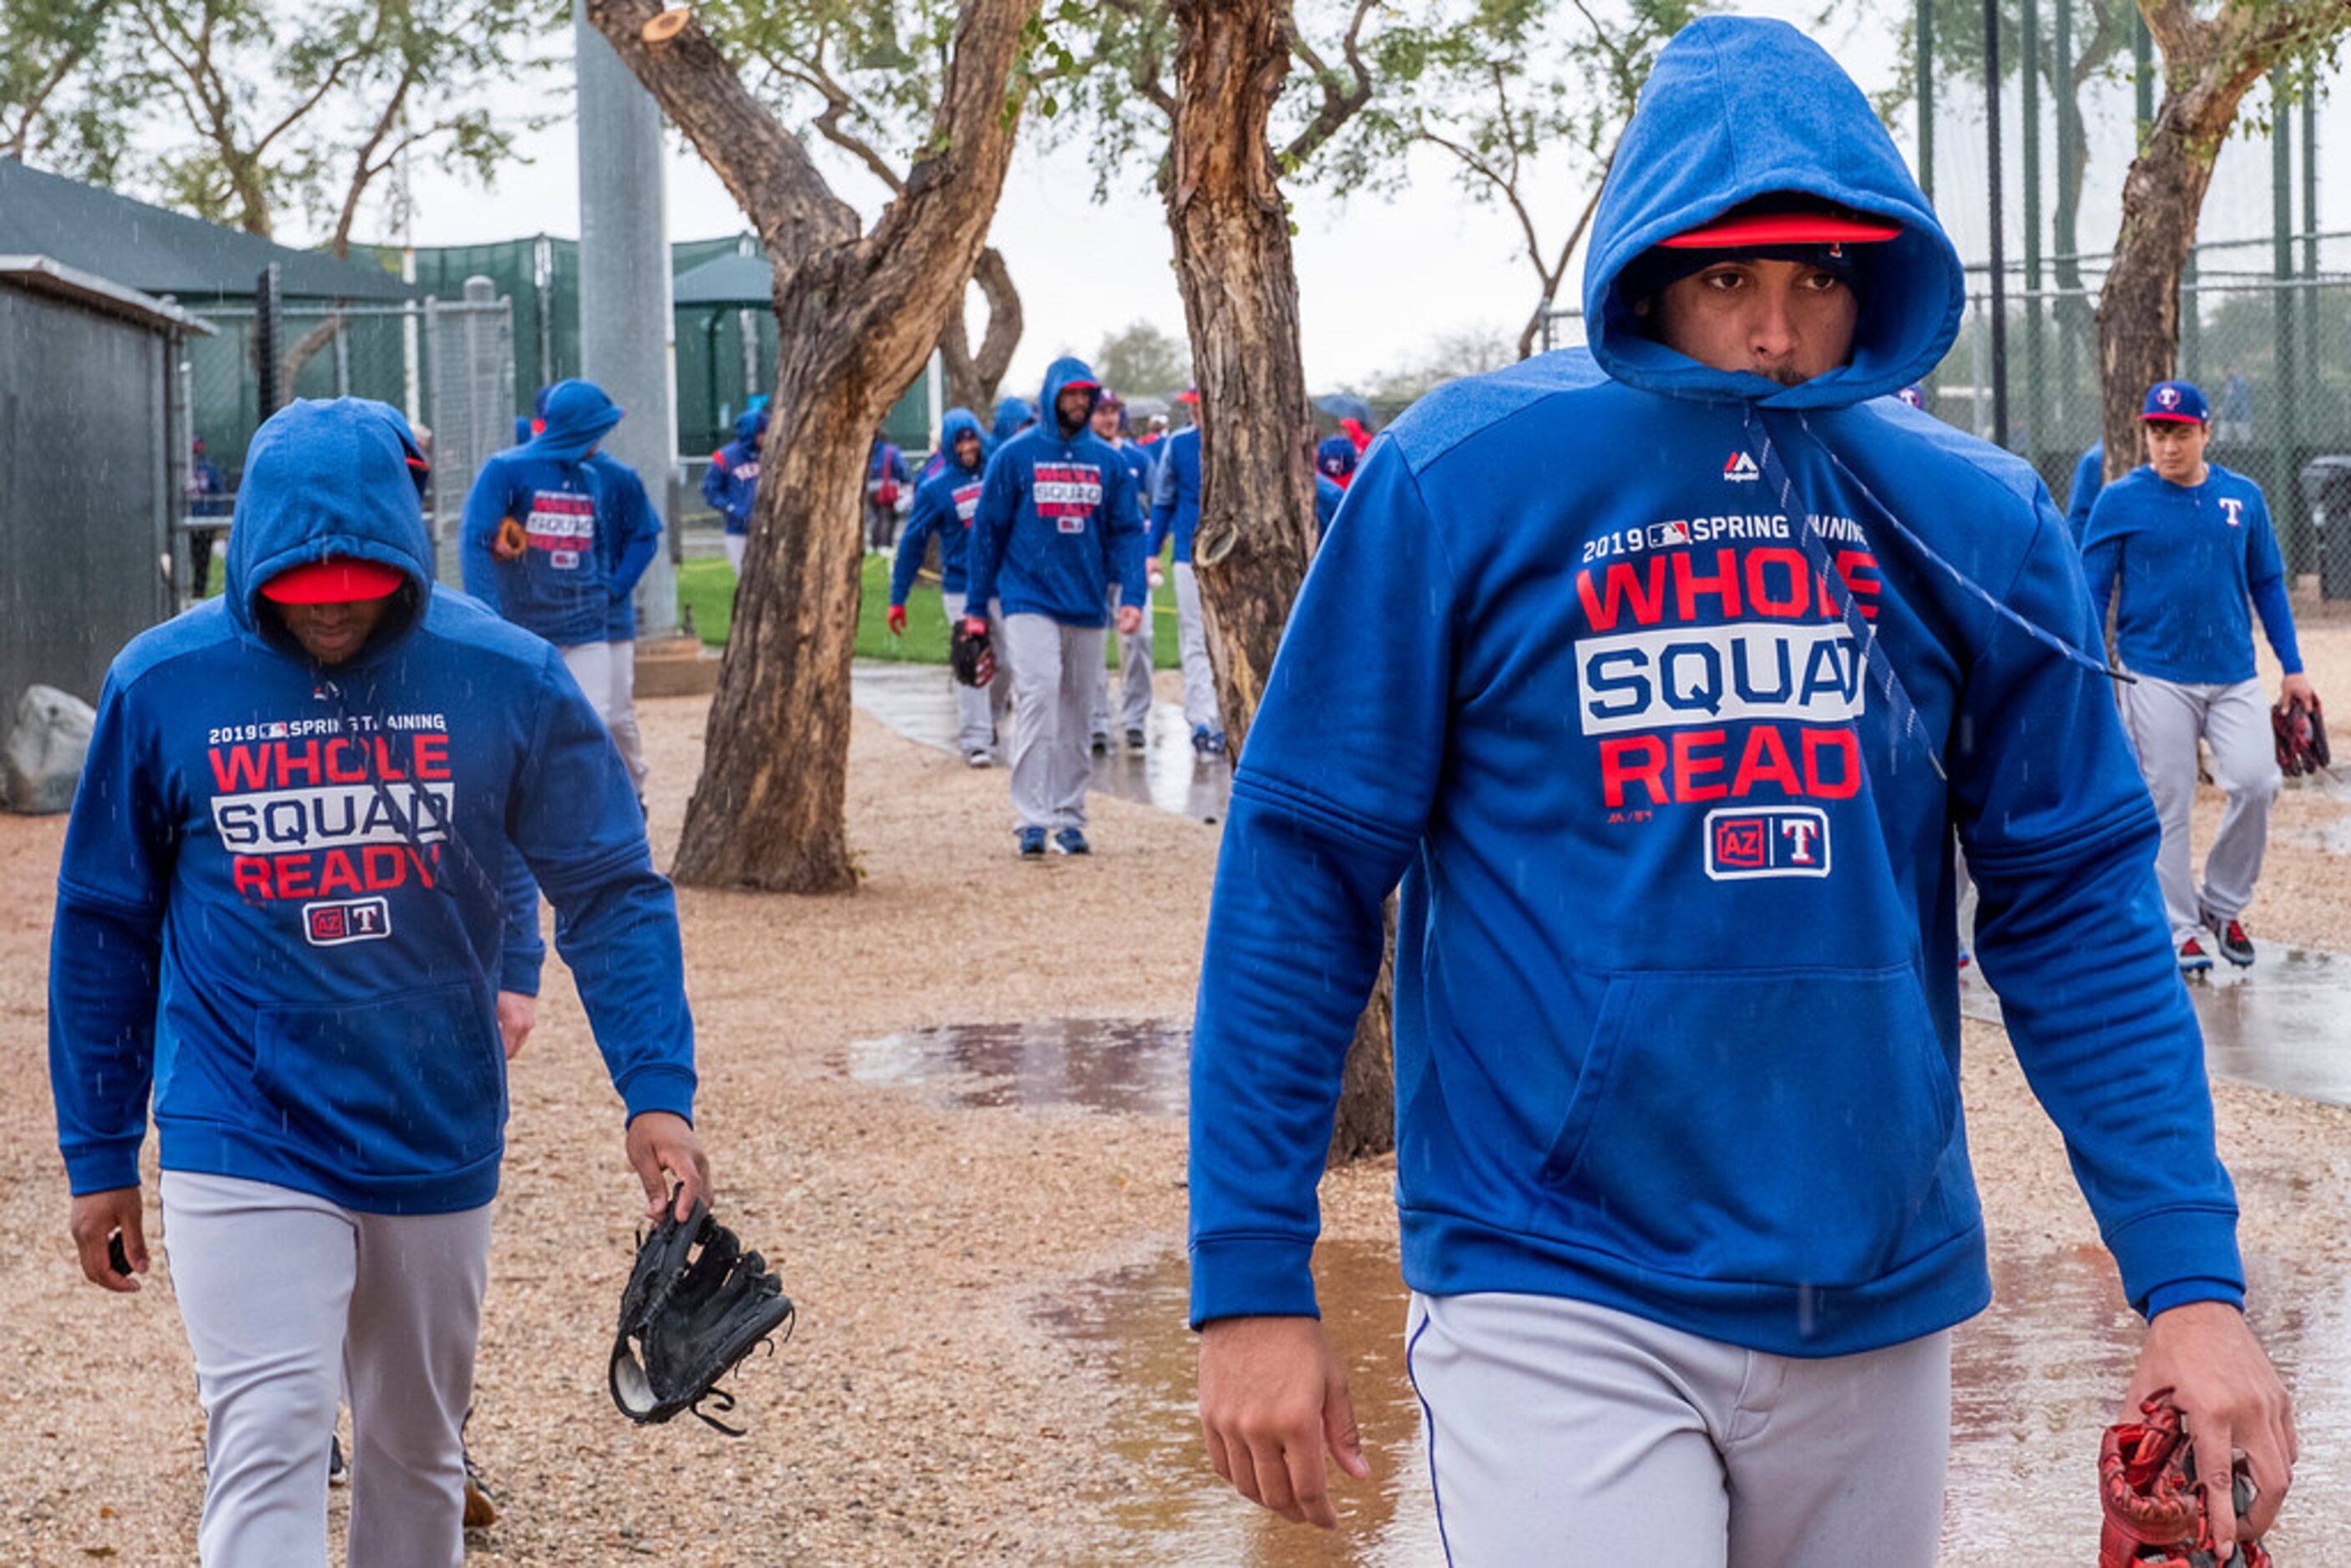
[563, 559]
[1767, 840]
[1663, 536]
[346, 921]
[1071, 524]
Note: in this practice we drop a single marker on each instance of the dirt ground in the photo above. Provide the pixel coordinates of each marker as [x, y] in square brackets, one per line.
[920, 1415]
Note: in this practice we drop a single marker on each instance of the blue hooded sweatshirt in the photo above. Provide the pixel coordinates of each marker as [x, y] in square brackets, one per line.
[1175, 493]
[1677, 1022]
[276, 909]
[1011, 413]
[2089, 478]
[2188, 560]
[943, 505]
[731, 483]
[559, 587]
[1059, 522]
[628, 535]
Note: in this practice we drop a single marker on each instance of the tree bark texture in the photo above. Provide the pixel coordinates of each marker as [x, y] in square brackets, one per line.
[2208, 65]
[858, 315]
[1233, 266]
[974, 379]
[1257, 529]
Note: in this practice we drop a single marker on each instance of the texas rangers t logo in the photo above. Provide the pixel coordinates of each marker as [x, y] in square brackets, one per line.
[2234, 505]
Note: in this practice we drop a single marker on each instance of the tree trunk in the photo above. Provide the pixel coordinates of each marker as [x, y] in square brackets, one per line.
[2209, 67]
[1257, 530]
[857, 316]
[974, 380]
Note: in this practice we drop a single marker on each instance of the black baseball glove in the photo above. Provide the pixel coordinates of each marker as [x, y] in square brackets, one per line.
[971, 653]
[697, 1304]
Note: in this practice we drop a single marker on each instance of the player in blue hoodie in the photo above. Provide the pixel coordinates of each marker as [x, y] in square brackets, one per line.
[1058, 525]
[274, 918]
[1669, 668]
[2189, 544]
[1176, 514]
[1137, 653]
[943, 505]
[731, 483]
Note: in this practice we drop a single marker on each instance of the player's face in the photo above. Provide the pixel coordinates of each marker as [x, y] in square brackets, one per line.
[1783, 320]
[1073, 405]
[333, 633]
[1105, 421]
[967, 449]
[2176, 449]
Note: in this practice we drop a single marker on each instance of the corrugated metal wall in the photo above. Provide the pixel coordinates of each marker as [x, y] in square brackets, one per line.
[85, 492]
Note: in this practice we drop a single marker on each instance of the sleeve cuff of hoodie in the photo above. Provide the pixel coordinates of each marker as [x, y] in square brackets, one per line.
[1252, 1276]
[103, 1167]
[518, 972]
[669, 1089]
[2178, 1256]
[2180, 1293]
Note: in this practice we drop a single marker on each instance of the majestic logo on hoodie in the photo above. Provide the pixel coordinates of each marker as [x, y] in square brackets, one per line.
[1067, 491]
[308, 811]
[1740, 469]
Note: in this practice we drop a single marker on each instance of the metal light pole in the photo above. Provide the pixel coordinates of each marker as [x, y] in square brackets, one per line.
[1998, 252]
[625, 323]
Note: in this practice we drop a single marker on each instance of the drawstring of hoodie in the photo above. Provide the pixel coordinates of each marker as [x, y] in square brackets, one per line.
[1815, 545]
[405, 822]
[2040, 634]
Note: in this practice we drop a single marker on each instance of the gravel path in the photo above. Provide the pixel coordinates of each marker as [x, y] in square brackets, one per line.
[923, 1414]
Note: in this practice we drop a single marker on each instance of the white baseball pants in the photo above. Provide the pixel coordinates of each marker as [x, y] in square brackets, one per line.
[1200, 711]
[1564, 1432]
[287, 1301]
[1054, 669]
[2165, 721]
[1134, 659]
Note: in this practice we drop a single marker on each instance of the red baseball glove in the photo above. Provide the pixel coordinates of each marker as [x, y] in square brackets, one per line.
[2300, 733]
[2154, 1509]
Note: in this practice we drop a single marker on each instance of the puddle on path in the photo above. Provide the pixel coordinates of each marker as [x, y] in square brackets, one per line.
[2278, 1024]
[1097, 1064]
[1170, 1509]
[2033, 1385]
[915, 701]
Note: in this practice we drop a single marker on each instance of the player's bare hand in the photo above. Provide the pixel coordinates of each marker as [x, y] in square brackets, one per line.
[2295, 691]
[517, 1015]
[95, 1219]
[1130, 619]
[662, 1148]
[1273, 1395]
[2231, 1400]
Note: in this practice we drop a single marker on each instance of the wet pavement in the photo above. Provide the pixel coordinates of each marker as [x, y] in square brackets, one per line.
[2033, 1379]
[1099, 1065]
[917, 702]
[2279, 1024]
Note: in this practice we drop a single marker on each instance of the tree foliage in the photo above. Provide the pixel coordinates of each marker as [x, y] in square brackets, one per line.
[1140, 360]
[247, 112]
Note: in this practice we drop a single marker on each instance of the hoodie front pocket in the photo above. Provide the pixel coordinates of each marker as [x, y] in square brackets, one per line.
[1782, 1127]
[405, 1086]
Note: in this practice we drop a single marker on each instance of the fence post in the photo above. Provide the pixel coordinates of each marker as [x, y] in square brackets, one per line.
[265, 339]
[1926, 45]
[2288, 377]
[1999, 248]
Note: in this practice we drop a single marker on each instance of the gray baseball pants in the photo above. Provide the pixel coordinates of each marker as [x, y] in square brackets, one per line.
[607, 674]
[1134, 657]
[2165, 720]
[1564, 1432]
[1200, 710]
[977, 711]
[1054, 672]
[289, 1300]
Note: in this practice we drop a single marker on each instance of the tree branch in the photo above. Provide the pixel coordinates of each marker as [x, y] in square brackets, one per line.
[1340, 102]
[812, 75]
[764, 167]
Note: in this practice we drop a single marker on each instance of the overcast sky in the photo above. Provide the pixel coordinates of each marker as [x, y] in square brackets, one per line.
[1380, 278]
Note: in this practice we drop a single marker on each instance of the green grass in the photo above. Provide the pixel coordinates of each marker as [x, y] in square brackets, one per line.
[706, 589]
